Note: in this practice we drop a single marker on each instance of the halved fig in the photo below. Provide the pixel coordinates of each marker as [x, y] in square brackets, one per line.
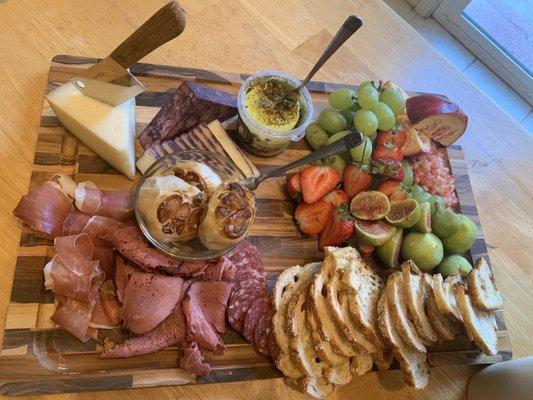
[373, 233]
[370, 205]
[196, 174]
[171, 208]
[229, 216]
[404, 213]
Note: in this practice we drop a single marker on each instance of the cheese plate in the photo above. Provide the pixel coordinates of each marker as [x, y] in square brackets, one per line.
[37, 357]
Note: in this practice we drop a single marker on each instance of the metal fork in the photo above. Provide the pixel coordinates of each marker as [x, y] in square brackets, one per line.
[346, 143]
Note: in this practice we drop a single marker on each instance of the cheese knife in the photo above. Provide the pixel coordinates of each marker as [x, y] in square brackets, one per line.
[110, 81]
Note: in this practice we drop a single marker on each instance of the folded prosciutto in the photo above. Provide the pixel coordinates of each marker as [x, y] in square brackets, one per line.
[74, 316]
[205, 311]
[192, 359]
[45, 208]
[148, 300]
[106, 312]
[113, 204]
[97, 226]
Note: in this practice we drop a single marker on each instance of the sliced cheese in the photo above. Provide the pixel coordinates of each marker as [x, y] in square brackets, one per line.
[108, 131]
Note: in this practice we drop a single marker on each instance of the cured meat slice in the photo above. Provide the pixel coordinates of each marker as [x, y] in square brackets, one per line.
[192, 359]
[99, 226]
[249, 277]
[74, 316]
[44, 209]
[106, 312]
[65, 183]
[189, 105]
[220, 270]
[123, 273]
[262, 330]
[118, 205]
[193, 268]
[148, 300]
[76, 252]
[131, 244]
[105, 255]
[254, 313]
[239, 303]
[246, 255]
[75, 222]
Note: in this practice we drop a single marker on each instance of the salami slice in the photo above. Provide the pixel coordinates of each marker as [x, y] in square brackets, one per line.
[250, 278]
[246, 255]
[239, 303]
[254, 313]
[262, 330]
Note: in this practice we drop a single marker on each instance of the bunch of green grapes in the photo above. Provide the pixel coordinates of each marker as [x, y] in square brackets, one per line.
[367, 111]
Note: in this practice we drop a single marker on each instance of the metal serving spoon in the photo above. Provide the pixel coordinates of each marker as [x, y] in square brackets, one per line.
[345, 143]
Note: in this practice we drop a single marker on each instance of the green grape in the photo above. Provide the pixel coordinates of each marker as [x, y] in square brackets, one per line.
[361, 154]
[367, 96]
[393, 99]
[373, 136]
[366, 122]
[337, 162]
[355, 107]
[386, 120]
[348, 116]
[343, 98]
[367, 83]
[331, 120]
[316, 136]
[333, 138]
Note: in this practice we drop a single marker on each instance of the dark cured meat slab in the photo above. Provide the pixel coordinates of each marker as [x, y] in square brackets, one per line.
[189, 105]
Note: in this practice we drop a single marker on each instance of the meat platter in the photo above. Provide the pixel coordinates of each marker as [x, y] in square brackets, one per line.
[38, 357]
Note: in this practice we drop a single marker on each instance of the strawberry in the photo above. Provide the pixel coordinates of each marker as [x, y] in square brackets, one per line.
[389, 167]
[394, 190]
[338, 229]
[390, 143]
[356, 180]
[336, 197]
[312, 218]
[294, 188]
[317, 181]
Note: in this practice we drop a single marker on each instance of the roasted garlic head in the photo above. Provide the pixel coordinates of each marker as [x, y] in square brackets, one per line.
[229, 216]
[198, 175]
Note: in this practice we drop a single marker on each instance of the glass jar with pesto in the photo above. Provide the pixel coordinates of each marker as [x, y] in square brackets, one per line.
[271, 114]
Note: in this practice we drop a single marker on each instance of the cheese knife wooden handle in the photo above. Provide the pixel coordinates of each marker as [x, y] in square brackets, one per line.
[164, 25]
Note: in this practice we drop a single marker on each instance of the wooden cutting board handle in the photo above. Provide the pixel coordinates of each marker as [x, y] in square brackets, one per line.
[164, 25]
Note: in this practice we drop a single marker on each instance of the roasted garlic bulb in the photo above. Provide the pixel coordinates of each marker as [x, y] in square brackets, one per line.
[229, 216]
[196, 174]
[171, 208]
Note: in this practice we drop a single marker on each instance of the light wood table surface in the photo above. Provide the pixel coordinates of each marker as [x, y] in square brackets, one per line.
[245, 36]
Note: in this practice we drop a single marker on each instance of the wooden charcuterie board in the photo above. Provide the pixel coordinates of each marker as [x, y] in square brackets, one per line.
[36, 357]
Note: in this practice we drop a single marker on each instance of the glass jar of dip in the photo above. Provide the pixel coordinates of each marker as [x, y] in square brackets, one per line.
[265, 127]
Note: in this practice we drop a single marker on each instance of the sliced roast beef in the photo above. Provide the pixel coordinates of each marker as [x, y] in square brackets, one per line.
[123, 273]
[221, 269]
[148, 300]
[192, 359]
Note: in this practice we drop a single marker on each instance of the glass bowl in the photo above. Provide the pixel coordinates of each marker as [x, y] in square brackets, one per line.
[192, 249]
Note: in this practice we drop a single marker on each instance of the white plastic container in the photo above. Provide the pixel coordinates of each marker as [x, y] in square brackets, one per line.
[261, 140]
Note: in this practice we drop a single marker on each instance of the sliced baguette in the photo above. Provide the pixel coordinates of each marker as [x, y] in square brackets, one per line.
[480, 325]
[365, 286]
[383, 359]
[317, 388]
[482, 288]
[400, 314]
[413, 363]
[322, 347]
[445, 298]
[415, 296]
[287, 283]
[339, 374]
[446, 329]
[362, 364]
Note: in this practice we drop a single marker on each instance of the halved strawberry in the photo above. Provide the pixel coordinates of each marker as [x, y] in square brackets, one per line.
[317, 181]
[294, 188]
[339, 228]
[356, 180]
[393, 189]
[388, 167]
[312, 218]
[336, 197]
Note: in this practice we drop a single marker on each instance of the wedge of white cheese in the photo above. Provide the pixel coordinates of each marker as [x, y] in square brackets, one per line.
[108, 131]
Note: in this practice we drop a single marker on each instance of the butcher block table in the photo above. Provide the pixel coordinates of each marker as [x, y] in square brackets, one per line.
[245, 36]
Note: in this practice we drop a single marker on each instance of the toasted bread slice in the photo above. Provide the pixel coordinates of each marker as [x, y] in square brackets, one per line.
[482, 288]
[338, 299]
[445, 298]
[301, 346]
[287, 283]
[480, 325]
[446, 329]
[327, 327]
[339, 374]
[360, 365]
[322, 347]
[400, 314]
[415, 298]
[317, 388]
[413, 363]
[383, 359]
[365, 285]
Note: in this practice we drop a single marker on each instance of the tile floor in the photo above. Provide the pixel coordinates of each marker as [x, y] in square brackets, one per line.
[518, 108]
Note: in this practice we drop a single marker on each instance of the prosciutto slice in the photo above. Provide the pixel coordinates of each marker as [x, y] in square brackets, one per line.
[113, 204]
[65, 182]
[192, 359]
[106, 312]
[148, 300]
[74, 316]
[44, 209]
[75, 222]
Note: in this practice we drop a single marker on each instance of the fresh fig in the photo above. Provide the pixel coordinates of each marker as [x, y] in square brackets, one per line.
[403, 213]
[463, 239]
[370, 205]
[424, 249]
[444, 223]
[389, 252]
[373, 233]
[454, 264]
[424, 221]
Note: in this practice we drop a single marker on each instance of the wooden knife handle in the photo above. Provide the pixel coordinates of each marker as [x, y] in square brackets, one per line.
[164, 25]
